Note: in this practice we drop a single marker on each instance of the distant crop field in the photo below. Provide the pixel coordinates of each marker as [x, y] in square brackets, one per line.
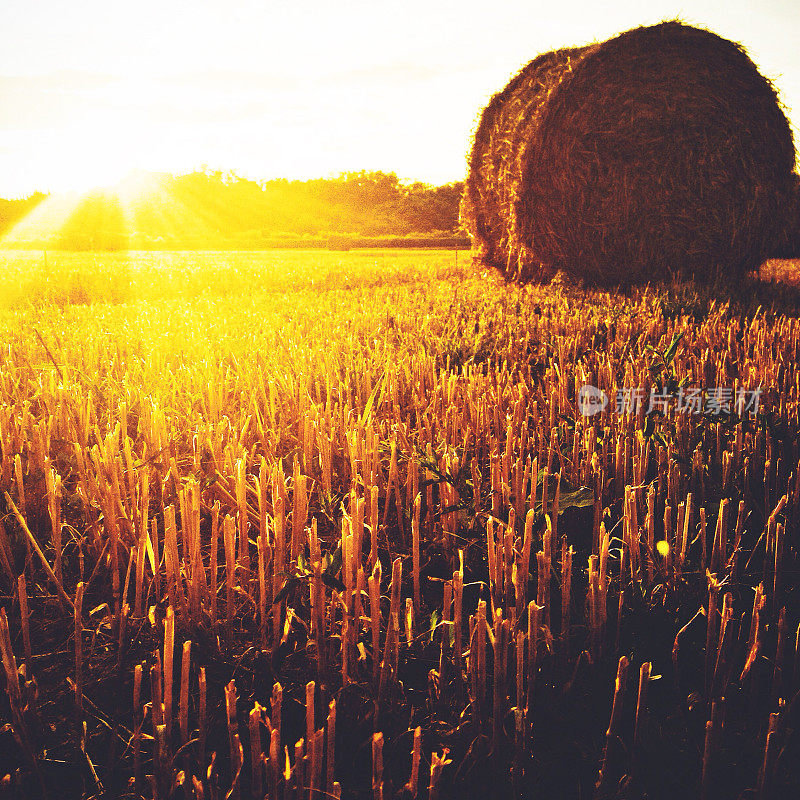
[78, 278]
[313, 524]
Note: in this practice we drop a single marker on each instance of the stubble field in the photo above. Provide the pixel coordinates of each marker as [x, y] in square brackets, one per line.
[306, 524]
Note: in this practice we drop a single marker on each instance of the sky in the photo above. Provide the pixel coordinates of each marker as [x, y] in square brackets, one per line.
[91, 91]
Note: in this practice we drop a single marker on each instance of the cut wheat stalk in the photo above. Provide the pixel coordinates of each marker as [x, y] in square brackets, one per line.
[377, 766]
[35, 546]
[375, 619]
[229, 543]
[641, 708]
[78, 634]
[236, 753]
[274, 768]
[771, 745]
[415, 551]
[412, 787]
[612, 756]
[256, 751]
[438, 763]
[202, 718]
[138, 721]
[183, 698]
[330, 747]
[24, 616]
[156, 697]
[501, 635]
[169, 668]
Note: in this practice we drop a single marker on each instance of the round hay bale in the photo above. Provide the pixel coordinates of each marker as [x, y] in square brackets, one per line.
[661, 153]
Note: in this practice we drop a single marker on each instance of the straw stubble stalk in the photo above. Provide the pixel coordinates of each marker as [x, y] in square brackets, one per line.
[263, 592]
[276, 706]
[162, 776]
[299, 511]
[256, 751]
[519, 652]
[458, 596]
[24, 615]
[169, 668]
[438, 762]
[315, 766]
[543, 586]
[771, 747]
[279, 563]
[412, 787]
[10, 667]
[396, 586]
[712, 634]
[566, 593]
[237, 765]
[156, 558]
[202, 718]
[330, 747]
[310, 721]
[32, 543]
[501, 635]
[229, 538]
[375, 619]
[373, 526]
[233, 736]
[183, 702]
[54, 497]
[6, 556]
[377, 766]
[138, 720]
[346, 637]
[613, 750]
[139, 599]
[298, 770]
[122, 637]
[713, 731]
[172, 559]
[727, 631]
[415, 550]
[780, 656]
[274, 767]
[244, 523]
[491, 548]
[641, 708]
[534, 623]
[78, 634]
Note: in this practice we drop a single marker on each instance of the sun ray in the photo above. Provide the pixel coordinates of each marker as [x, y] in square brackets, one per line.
[142, 210]
[43, 223]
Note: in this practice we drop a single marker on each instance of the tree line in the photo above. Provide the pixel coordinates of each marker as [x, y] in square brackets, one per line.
[212, 208]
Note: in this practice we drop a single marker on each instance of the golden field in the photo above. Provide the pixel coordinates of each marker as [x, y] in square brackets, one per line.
[302, 524]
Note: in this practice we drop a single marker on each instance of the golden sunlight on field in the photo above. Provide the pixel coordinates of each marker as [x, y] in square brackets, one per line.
[123, 207]
[278, 522]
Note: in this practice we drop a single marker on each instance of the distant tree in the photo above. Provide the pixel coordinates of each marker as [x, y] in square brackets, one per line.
[11, 211]
[215, 208]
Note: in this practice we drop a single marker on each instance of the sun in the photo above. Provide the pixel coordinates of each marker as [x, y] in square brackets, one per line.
[109, 134]
[99, 152]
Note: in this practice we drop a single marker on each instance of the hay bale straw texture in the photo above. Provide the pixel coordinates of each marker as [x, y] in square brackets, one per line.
[659, 154]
